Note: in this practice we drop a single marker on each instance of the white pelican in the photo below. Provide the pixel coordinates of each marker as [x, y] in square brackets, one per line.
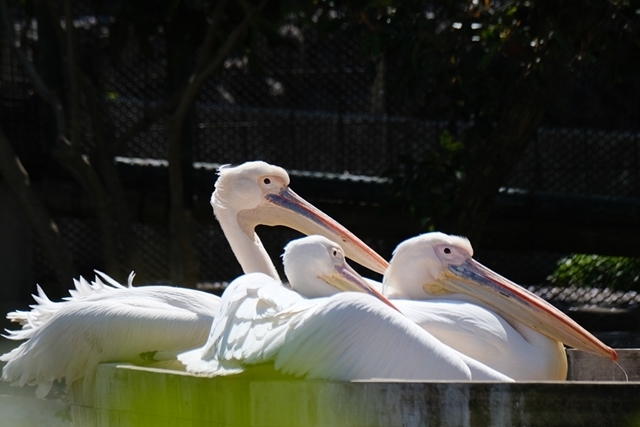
[456, 299]
[333, 336]
[115, 323]
[257, 193]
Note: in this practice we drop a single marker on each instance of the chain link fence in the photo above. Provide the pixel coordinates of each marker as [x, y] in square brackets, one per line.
[314, 106]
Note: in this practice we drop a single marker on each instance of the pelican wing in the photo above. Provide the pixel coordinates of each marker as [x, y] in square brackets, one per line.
[249, 323]
[82, 332]
[352, 336]
[145, 296]
[348, 336]
[481, 334]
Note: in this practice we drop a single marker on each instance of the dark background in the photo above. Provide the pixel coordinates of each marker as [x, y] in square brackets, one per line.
[513, 123]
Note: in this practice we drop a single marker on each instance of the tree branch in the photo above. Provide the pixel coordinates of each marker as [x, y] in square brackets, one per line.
[210, 38]
[198, 79]
[143, 124]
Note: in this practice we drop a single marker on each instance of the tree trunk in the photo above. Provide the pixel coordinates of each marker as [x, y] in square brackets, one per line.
[183, 259]
[103, 160]
[184, 264]
[42, 223]
[68, 153]
[495, 158]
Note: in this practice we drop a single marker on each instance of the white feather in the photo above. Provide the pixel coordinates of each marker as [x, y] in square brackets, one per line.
[111, 323]
[347, 336]
[463, 322]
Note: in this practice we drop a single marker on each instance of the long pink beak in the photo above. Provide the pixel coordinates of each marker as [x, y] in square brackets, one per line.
[508, 298]
[349, 280]
[295, 212]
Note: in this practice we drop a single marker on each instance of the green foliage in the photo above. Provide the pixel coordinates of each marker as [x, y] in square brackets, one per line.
[427, 188]
[476, 52]
[613, 272]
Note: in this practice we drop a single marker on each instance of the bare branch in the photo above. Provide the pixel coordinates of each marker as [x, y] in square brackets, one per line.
[148, 120]
[192, 90]
[184, 96]
[92, 98]
[198, 79]
[210, 38]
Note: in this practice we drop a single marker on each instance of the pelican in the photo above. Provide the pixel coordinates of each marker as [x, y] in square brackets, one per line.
[330, 335]
[103, 323]
[257, 193]
[434, 281]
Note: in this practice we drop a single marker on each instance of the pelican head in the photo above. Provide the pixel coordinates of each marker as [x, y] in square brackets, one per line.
[316, 267]
[435, 263]
[255, 193]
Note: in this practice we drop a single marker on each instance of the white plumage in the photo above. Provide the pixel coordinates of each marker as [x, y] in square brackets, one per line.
[245, 196]
[105, 322]
[345, 336]
[522, 354]
[489, 318]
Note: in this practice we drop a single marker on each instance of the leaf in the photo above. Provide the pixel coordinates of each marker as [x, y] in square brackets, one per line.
[588, 270]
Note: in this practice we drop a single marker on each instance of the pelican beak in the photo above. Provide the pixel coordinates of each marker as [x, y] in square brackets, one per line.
[506, 297]
[288, 209]
[346, 279]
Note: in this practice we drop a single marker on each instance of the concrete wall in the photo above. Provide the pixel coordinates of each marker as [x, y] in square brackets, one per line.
[133, 396]
[124, 395]
[598, 395]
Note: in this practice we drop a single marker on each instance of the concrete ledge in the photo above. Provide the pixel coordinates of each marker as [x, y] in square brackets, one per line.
[134, 396]
[588, 367]
[125, 395]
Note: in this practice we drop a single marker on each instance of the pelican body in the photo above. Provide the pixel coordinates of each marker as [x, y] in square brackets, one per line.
[324, 333]
[519, 343]
[435, 282]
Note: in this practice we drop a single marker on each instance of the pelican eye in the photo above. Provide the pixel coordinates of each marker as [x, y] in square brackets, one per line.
[267, 181]
[335, 252]
[447, 251]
